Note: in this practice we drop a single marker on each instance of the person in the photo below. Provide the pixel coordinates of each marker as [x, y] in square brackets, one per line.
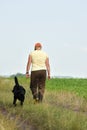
[39, 68]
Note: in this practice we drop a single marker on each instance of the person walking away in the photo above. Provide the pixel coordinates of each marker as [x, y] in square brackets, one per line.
[39, 68]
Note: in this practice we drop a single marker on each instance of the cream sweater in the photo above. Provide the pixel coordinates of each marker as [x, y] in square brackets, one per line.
[38, 60]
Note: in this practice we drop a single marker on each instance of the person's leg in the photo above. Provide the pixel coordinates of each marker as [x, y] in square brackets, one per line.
[41, 84]
[33, 84]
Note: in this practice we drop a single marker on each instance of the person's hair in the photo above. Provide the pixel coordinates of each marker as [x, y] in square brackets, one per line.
[37, 45]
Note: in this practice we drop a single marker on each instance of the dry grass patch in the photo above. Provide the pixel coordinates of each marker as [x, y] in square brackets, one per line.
[65, 99]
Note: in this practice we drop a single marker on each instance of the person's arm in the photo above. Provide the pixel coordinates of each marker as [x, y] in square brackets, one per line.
[28, 66]
[48, 67]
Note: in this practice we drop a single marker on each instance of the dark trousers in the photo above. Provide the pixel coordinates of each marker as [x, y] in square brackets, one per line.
[37, 83]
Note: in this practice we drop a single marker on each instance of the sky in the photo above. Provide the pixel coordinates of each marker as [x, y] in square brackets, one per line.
[61, 27]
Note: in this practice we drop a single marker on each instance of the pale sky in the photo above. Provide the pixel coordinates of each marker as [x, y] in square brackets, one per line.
[61, 27]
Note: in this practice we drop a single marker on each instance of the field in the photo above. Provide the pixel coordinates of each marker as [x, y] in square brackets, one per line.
[64, 106]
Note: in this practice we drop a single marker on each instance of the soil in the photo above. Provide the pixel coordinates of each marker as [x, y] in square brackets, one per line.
[21, 123]
[24, 124]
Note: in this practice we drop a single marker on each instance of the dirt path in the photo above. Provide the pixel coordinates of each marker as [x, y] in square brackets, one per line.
[21, 123]
[24, 124]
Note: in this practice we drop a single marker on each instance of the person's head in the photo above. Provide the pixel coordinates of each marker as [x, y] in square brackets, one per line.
[37, 46]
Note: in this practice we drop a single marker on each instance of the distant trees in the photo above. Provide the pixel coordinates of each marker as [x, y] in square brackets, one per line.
[18, 75]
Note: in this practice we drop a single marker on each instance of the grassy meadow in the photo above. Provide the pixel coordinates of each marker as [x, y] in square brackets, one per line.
[64, 106]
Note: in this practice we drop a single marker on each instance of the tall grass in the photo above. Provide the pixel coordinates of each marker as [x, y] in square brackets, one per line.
[64, 106]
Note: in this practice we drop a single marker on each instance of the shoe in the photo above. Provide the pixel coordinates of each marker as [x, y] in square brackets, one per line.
[36, 100]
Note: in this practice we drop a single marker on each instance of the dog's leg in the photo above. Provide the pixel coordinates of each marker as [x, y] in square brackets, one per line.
[14, 102]
[21, 103]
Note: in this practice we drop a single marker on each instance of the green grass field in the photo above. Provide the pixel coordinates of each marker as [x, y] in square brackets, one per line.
[64, 106]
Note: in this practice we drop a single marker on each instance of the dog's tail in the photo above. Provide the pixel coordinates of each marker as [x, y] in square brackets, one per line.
[16, 81]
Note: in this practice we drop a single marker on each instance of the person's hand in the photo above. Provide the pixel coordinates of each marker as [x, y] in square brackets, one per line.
[27, 75]
[48, 77]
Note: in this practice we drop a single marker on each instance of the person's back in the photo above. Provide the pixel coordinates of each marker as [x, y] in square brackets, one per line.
[38, 60]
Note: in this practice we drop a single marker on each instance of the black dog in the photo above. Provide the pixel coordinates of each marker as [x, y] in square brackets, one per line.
[19, 92]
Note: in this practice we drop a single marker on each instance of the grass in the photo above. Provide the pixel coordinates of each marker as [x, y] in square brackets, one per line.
[78, 86]
[64, 106]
